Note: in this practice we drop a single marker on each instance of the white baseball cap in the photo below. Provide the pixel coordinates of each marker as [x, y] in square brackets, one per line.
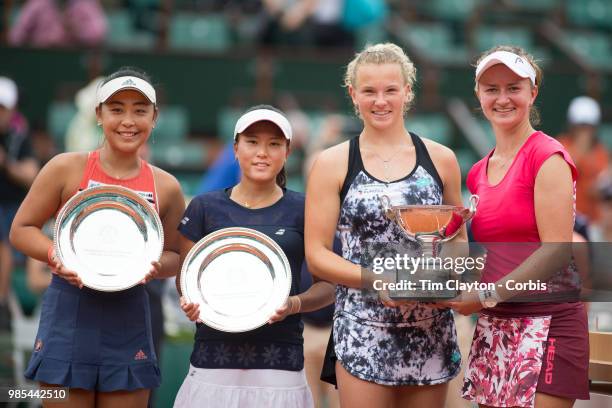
[519, 65]
[8, 93]
[113, 86]
[257, 115]
[583, 110]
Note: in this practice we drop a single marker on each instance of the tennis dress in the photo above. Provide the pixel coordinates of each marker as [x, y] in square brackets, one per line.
[408, 345]
[97, 340]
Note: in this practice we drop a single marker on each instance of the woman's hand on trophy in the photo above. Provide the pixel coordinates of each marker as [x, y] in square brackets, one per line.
[191, 310]
[60, 270]
[293, 305]
[156, 267]
[466, 303]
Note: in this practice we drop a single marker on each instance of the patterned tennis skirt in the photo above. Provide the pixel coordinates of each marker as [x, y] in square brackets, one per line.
[417, 353]
[512, 358]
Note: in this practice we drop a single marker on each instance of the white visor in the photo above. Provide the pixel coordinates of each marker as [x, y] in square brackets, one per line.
[258, 115]
[125, 82]
[519, 65]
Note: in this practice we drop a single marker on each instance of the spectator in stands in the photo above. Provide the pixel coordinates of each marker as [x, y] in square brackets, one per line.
[18, 168]
[83, 134]
[53, 23]
[590, 156]
[313, 22]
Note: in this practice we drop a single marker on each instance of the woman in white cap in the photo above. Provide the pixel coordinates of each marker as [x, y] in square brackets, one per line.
[530, 347]
[98, 344]
[263, 367]
[383, 353]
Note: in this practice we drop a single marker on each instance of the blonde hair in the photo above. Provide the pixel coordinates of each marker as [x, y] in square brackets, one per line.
[383, 53]
[534, 114]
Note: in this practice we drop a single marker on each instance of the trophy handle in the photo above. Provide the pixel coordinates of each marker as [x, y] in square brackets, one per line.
[390, 212]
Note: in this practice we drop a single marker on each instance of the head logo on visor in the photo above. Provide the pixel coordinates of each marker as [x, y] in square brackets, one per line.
[516, 63]
[113, 86]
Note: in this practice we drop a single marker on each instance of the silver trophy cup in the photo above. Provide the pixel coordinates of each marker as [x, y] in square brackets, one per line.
[429, 226]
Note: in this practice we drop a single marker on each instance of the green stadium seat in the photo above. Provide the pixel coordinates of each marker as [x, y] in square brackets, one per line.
[605, 135]
[596, 48]
[59, 115]
[486, 127]
[431, 126]
[540, 6]
[455, 10]
[371, 34]
[189, 181]
[435, 40]
[190, 155]
[589, 13]
[26, 298]
[296, 183]
[226, 121]
[121, 32]
[466, 158]
[199, 32]
[172, 125]
[488, 37]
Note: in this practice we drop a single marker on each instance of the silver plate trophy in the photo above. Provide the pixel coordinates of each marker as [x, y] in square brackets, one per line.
[238, 276]
[429, 226]
[108, 235]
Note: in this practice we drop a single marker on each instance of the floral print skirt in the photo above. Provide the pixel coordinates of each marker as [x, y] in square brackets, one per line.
[416, 353]
[505, 360]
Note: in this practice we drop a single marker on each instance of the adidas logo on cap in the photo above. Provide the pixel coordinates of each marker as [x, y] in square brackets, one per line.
[128, 82]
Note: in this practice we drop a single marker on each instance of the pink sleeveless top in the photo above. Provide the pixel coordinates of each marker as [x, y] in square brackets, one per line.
[506, 211]
[143, 183]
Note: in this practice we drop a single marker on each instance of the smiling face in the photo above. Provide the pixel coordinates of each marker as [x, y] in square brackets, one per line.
[261, 151]
[127, 119]
[380, 94]
[505, 98]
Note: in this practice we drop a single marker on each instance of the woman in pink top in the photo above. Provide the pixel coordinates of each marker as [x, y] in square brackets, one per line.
[528, 353]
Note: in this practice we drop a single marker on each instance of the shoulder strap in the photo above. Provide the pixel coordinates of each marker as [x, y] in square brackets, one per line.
[424, 159]
[355, 165]
[151, 172]
[89, 168]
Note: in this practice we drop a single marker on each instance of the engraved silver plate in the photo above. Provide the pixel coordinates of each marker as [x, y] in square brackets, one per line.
[108, 235]
[238, 276]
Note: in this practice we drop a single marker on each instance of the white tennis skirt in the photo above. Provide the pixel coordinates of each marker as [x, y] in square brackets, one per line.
[235, 388]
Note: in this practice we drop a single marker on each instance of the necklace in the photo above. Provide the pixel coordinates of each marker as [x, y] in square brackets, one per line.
[253, 204]
[386, 162]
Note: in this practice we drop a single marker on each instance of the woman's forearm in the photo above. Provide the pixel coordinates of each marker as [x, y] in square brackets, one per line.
[170, 264]
[319, 295]
[540, 265]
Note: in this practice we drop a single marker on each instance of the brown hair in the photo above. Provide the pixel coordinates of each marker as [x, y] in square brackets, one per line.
[534, 113]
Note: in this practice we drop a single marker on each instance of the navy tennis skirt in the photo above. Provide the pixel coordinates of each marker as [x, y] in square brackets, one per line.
[94, 340]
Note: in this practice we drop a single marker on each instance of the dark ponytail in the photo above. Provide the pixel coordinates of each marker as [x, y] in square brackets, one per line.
[281, 178]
